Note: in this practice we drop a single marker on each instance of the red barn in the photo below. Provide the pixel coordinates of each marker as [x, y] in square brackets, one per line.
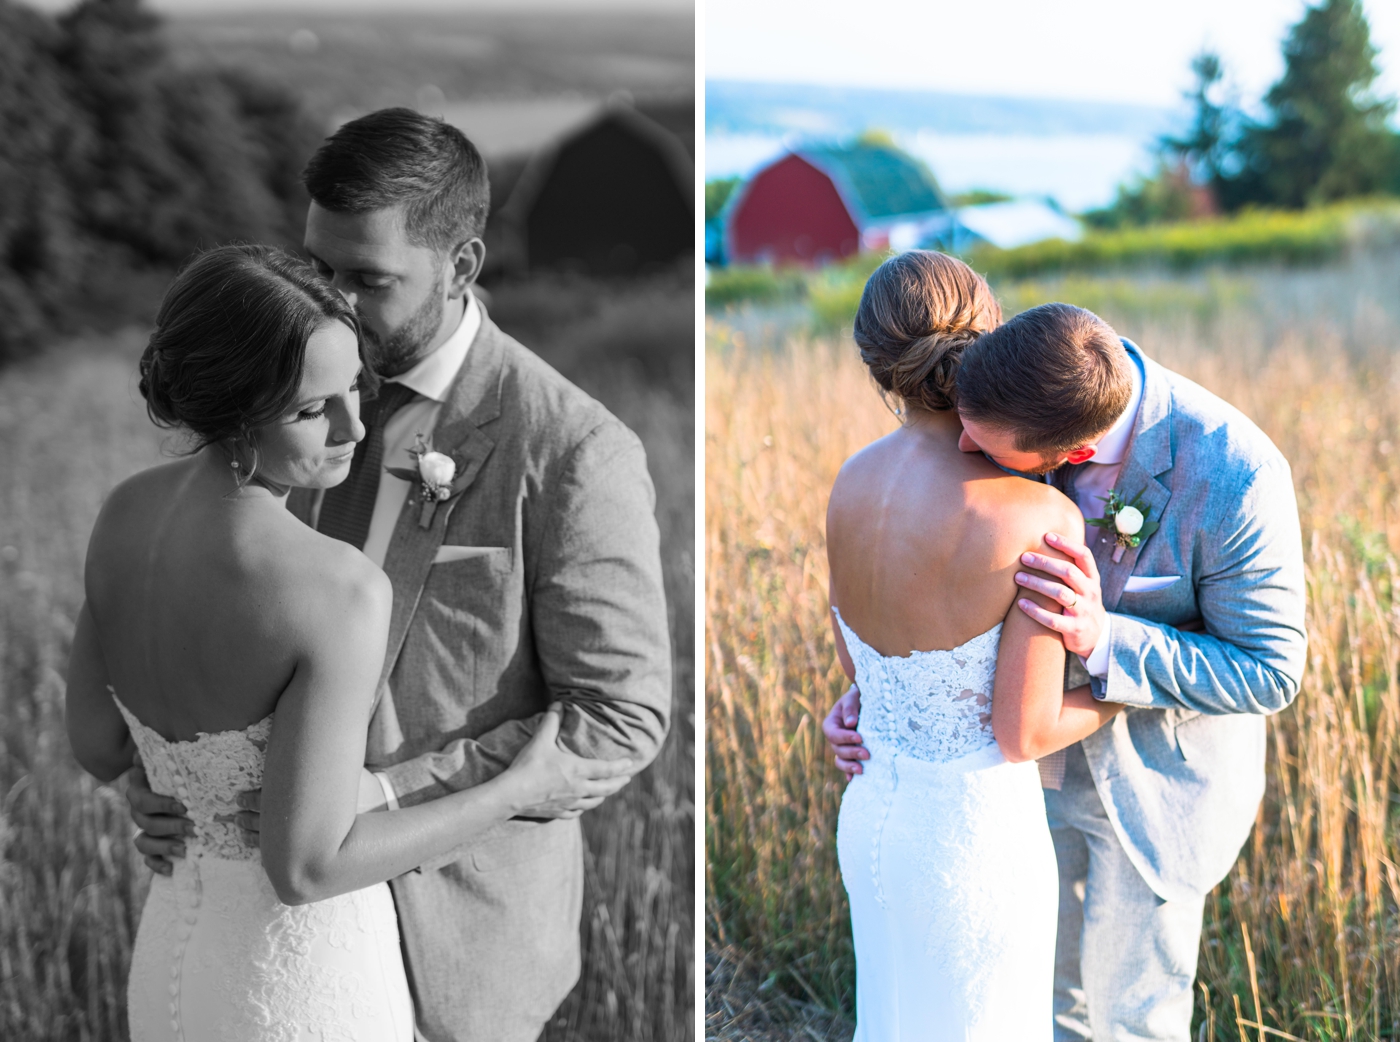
[816, 205]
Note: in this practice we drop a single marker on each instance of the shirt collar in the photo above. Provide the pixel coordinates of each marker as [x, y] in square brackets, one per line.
[1113, 446]
[433, 376]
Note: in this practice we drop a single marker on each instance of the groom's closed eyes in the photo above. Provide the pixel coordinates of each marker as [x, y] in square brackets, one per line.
[366, 279]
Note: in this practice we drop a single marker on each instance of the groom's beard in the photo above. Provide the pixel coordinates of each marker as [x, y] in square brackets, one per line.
[1044, 470]
[403, 348]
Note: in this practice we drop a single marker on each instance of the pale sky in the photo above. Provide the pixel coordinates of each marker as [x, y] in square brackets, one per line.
[1106, 50]
[179, 7]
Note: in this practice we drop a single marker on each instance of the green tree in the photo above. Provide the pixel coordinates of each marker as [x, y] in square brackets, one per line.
[1167, 195]
[1206, 149]
[1327, 137]
[717, 193]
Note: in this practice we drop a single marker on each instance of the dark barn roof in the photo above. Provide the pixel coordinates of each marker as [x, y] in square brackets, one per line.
[614, 197]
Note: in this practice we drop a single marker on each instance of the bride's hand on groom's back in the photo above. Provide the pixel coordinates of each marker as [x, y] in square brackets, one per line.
[842, 739]
[547, 781]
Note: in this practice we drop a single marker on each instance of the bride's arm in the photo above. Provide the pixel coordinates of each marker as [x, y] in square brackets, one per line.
[313, 844]
[99, 736]
[1032, 714]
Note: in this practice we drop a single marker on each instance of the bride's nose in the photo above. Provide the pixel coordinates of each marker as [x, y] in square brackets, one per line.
[348, 427]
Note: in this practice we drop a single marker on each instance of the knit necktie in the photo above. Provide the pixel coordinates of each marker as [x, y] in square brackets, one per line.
[347, 508]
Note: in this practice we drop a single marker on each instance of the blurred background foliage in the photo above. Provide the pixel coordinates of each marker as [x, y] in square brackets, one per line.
[1308, 174]
[1322, 136]
[117, 163]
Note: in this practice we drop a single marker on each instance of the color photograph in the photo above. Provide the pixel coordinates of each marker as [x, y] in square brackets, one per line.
[1052, 605]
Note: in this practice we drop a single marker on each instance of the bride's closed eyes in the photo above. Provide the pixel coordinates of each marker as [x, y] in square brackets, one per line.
[317, 412]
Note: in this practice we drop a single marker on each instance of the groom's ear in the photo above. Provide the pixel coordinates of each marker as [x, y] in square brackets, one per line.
[1083, 454]
[466, 258]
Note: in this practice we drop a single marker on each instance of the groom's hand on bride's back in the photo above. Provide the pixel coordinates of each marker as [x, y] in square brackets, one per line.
[161, 820]
[842, 739]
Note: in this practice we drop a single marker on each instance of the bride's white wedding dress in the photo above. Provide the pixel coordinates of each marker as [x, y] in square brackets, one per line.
[219, 957]
[946, 857]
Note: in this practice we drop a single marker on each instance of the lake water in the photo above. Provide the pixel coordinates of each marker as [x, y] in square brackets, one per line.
[1079, 171]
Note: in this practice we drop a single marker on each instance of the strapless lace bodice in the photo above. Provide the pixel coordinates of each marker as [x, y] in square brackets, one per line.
[206, 775]
[218, 958]
[931, 705]
[946, 857]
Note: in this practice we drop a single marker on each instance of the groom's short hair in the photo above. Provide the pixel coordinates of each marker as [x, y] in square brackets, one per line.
[1055, 376]
[398, 157]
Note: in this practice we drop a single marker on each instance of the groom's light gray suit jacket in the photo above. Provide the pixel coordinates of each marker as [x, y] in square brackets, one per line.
[555, 594]
[1201, 662]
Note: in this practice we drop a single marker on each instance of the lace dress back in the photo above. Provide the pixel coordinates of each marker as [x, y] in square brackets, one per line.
[218, 958]
[206, 775]
[931, 705]
[946, 856]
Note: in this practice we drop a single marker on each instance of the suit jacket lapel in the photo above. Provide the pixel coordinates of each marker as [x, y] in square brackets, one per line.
[1149, 455]
[474, 400]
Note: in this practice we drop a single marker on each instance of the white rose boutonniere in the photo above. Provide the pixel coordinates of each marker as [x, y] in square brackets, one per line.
[1127, 520]
[433, 475]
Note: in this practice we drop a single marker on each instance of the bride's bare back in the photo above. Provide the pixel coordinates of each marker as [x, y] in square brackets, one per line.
[204, 603]
[924, 539]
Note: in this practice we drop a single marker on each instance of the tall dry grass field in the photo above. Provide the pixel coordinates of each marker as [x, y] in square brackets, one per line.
[71, 886]
[1303, 936]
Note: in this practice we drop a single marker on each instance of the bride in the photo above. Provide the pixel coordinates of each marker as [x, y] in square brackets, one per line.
[231, 647]
[942, 838]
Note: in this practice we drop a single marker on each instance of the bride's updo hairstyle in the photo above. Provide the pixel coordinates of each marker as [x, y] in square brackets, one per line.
[918, 312]
[229, 345]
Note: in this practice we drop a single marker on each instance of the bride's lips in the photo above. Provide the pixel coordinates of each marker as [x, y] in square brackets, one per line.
[344, 457]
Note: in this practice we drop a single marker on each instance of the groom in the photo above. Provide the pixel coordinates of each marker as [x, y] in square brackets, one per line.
[538, 581]
[1197, 627]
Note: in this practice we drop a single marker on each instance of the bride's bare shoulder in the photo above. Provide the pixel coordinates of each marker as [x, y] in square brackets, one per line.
[146, 486]
[1022, 511]
[320, 570]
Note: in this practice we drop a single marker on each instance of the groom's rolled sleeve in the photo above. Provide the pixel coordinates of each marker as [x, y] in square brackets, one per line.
[598, 605]
[599, 618]
[1249, 588]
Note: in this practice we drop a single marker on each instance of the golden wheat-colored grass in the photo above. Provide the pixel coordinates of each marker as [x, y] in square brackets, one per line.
[71, 886]
[1302, 937]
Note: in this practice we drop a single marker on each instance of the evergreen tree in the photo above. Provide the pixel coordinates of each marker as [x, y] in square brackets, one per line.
[1327, 137]
[1206, 149]
[112, 159]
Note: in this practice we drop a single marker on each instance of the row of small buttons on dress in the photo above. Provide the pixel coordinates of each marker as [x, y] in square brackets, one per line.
[187, 898]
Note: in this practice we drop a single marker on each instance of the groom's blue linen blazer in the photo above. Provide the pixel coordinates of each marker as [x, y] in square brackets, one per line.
[1203, 660]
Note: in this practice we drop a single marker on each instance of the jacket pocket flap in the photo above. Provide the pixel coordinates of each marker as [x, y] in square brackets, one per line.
[1149, 583]
[446, 553]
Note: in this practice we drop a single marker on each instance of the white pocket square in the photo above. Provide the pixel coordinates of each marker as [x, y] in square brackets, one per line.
[447, 552]
[1148, 583]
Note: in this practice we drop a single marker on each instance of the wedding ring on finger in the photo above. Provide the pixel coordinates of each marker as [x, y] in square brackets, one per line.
[1072, 603]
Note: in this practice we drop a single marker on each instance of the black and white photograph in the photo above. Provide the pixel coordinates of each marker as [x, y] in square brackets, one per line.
[347, 520]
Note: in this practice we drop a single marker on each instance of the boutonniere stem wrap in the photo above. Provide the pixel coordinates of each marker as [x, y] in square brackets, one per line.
[1126, 519]
[434, 477]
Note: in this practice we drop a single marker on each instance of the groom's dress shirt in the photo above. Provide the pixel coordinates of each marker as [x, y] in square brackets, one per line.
[1091, 487]
[431, 379]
